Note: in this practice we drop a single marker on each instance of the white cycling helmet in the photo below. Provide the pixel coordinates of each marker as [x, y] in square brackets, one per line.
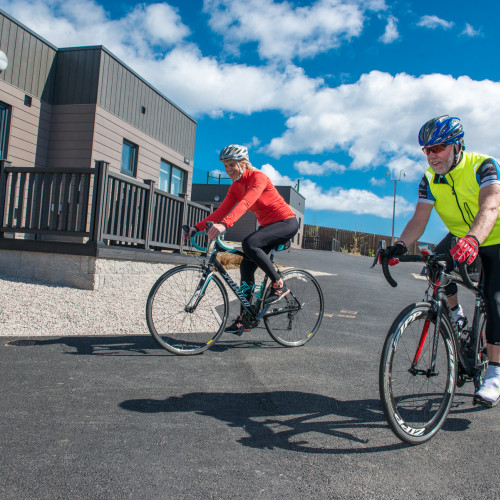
[234, 152]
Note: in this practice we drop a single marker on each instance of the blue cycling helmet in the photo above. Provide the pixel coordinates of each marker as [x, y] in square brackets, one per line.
[442, 130]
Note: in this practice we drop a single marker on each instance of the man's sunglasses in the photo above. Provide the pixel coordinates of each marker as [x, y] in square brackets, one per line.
[437, 148]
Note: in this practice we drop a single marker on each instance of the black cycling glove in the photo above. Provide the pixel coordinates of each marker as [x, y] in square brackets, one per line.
[391, 253]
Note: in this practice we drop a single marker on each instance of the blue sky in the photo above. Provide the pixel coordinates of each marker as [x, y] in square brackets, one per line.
[328, 92]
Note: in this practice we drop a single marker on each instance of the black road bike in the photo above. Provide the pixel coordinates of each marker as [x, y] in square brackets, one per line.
[425, 356]
[188, 306]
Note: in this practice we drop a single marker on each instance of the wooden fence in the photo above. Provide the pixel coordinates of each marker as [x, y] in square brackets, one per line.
[331, 239]
[100, 206]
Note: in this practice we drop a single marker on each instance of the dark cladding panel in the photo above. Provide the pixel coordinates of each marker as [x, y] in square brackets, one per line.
[76, 74]
[123, 93]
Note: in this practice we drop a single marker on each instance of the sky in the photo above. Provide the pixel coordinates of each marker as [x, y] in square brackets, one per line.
[328, 95]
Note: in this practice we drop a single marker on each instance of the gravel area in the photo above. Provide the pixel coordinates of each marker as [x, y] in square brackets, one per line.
[32, 308]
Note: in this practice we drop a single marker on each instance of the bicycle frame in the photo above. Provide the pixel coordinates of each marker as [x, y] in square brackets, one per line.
[439, 278]
[254, 311]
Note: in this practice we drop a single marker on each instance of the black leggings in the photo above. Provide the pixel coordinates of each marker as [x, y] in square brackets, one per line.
[258, 245]
[490, 261]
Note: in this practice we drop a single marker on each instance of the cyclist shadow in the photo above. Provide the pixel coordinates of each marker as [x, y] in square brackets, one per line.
[290, 420]
[122, 345]
[127, 345]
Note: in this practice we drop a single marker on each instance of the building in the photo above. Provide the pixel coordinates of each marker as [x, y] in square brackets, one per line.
[93, 163]
[67, 107]
[213, 194]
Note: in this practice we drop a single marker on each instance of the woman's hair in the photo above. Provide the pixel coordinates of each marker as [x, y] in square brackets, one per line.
[247, 165]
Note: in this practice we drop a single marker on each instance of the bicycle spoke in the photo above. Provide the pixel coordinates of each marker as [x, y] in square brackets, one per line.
[295, 319]
[415, 399]
[177, 327]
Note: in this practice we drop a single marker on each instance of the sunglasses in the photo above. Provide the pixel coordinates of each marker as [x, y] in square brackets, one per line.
[437, 148]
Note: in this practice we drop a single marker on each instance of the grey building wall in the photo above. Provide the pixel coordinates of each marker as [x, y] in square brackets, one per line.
[84, 103]
[31, 59]
[124, 94]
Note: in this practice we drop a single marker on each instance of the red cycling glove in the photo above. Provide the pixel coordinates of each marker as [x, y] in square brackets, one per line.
[466, 249]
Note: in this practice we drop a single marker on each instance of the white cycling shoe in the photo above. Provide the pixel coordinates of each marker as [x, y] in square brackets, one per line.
[489, 393]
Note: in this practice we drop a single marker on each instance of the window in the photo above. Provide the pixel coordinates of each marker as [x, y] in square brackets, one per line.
[172, 179]
[4, 129]
[177, 185]
[129, 158]
[165, 176]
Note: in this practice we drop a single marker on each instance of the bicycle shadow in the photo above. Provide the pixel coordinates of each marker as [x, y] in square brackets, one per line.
[293, 420]
[128, 345]
[289, 420]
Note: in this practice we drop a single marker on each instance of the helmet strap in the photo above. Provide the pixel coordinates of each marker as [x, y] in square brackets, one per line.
[458, 155]
[241, 169]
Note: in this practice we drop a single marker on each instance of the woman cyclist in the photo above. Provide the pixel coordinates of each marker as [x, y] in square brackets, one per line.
[252, 190]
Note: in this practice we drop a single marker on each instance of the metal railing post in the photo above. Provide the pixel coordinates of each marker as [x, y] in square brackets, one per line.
[3, 191]
[149, 212]
[98, 201]
[183, 220]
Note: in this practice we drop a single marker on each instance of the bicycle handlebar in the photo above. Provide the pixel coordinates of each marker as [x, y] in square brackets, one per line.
[219, 242]
[425, 257]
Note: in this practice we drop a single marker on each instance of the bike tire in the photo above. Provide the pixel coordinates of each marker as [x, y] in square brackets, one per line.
[172, 326]
[480, 350]
[294, 320]
[416, 405]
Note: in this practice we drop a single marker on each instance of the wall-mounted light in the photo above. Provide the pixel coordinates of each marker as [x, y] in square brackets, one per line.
[4, 62]
[216, 197]
[143, 110]
[27, 100]
[186, 161]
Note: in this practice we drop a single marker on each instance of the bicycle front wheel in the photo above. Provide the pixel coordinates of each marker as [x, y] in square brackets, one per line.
[177, 320]
[416, 397]
[295, 319]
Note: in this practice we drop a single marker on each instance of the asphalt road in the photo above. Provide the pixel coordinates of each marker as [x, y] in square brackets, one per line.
[118, 417]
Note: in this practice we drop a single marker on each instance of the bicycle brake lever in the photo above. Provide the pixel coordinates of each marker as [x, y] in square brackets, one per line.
[375, 260]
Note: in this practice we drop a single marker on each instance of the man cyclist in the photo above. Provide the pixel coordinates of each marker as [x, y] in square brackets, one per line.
[464, 188]
[252, 190]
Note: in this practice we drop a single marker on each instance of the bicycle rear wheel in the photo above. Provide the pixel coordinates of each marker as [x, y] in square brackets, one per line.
[175, 326]
[293, 320]
[416, 400]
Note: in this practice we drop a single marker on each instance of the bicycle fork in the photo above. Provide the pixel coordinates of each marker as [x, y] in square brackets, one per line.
[199, 292]
[431, 371]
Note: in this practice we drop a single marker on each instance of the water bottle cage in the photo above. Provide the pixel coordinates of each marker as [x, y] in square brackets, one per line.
[256, 289]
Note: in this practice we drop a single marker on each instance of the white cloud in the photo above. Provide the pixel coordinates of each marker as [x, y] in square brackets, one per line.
[433, 22]
[68, 23]
[470, 31]
[378, 117]
[224, 87]
[357, 201]
[314, 168]
[254, 143]
[376, 181]
[284, 32]
[391, 31]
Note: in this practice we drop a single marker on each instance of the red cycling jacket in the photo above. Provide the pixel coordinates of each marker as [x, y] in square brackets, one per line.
[254, 191]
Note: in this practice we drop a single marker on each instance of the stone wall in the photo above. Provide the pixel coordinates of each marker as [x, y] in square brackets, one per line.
[78, 271]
